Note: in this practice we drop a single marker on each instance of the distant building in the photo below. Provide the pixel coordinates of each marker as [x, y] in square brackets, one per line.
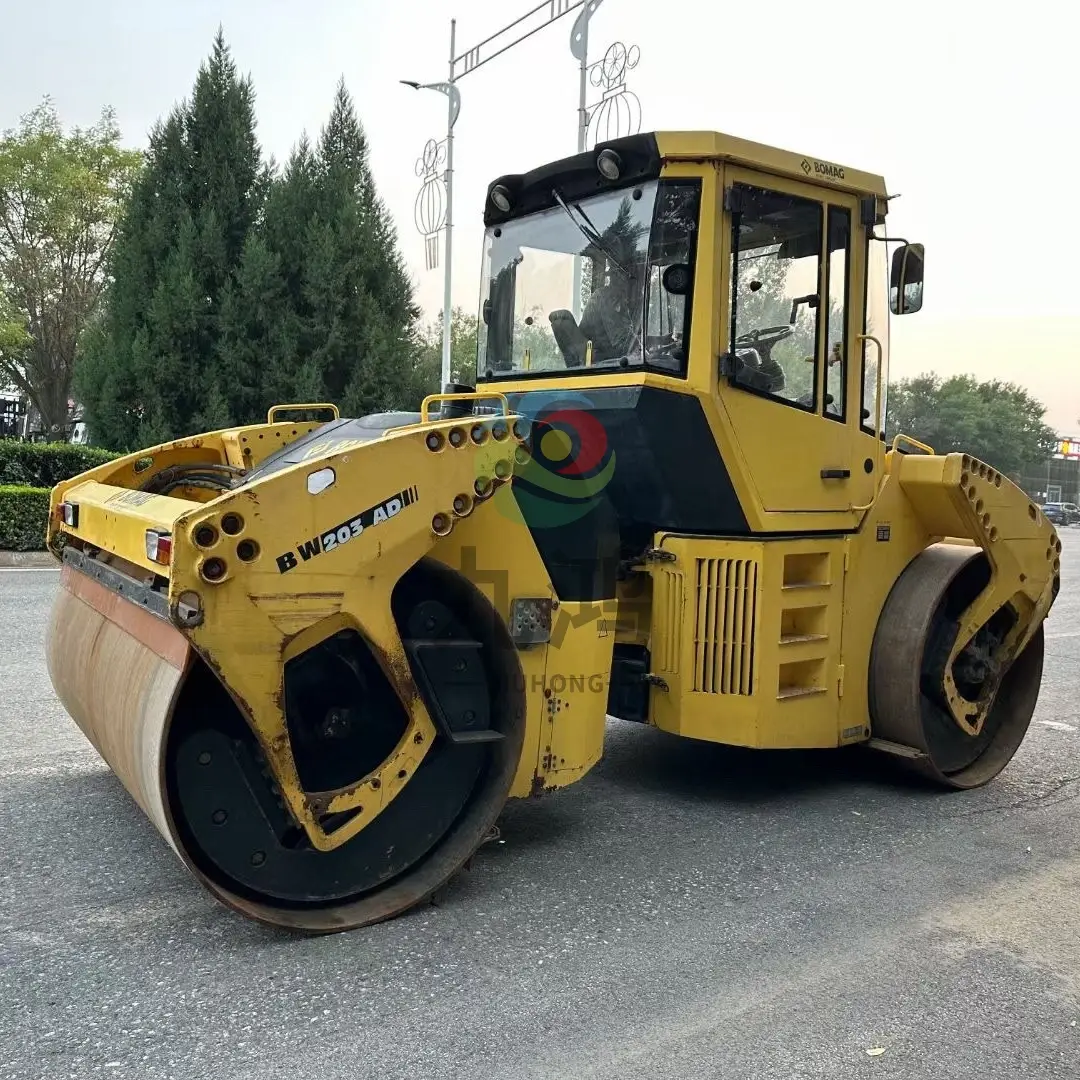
[20, 420]
[1059, 479]
[12, 417]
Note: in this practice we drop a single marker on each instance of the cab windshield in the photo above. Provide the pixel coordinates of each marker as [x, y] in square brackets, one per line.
[598, 283]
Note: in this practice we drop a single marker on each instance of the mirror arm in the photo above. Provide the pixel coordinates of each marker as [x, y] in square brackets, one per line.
[811, 299]
[889, 239]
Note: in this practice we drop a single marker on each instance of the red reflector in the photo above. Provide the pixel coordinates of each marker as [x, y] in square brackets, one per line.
[69, 514]
[158, 547]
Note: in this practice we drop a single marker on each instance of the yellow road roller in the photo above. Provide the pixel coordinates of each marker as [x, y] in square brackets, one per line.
[321, 653]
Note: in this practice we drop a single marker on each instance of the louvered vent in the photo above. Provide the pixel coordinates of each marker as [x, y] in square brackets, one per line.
[725, 626]
[668, 606]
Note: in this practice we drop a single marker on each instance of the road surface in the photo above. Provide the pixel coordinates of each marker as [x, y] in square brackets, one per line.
[686, 911]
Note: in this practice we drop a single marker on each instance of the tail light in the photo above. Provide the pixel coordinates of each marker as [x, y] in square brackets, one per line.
[158, 546]
[69, 514]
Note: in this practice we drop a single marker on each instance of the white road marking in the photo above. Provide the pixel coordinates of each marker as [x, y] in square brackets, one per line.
[1063, 634]
[1057, 725]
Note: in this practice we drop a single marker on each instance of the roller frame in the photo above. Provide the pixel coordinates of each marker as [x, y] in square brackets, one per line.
[896, 668]
[134, 650]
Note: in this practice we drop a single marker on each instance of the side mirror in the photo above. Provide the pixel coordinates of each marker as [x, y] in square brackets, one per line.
[676, 279]
[906, 280]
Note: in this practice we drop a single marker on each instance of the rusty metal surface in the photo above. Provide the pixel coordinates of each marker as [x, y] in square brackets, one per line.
[117, 670]
[144, 594]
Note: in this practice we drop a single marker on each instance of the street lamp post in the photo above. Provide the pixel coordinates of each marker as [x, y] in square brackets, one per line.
[435, 203]
[579, 49]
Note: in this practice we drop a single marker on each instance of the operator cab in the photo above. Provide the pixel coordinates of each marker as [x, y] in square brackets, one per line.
[720, 307]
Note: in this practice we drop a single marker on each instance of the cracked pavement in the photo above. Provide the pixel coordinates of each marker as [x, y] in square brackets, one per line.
[687, 910]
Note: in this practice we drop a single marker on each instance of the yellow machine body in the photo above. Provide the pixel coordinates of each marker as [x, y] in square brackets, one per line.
[729, 564]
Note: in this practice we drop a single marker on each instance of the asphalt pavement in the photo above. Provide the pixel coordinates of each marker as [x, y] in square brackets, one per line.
[685, 911]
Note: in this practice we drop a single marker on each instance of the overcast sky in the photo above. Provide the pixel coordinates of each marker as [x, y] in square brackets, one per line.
[970, 115]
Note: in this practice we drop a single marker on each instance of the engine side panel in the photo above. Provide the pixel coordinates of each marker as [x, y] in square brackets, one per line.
[746, 640]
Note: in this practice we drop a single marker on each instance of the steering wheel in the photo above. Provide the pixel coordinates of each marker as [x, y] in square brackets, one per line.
[661, 347]
[767, 336]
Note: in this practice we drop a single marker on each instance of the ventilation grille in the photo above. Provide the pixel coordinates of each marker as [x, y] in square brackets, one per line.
[668, 612]
[725, 626]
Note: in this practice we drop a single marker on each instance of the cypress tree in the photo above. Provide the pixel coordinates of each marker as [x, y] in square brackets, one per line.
[234, 290]
[158, 367]
[326, 299]
[356, 282]
[268, 325]
[108, 372]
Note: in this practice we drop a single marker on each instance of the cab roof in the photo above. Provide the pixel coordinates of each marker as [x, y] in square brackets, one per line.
[716, 146]
[642, 157]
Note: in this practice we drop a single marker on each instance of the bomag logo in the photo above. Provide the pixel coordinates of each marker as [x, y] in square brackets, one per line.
[563, 466]
[822, 168]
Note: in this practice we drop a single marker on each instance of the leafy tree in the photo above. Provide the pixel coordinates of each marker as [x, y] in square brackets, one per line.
[156, 367]
[427, 369]
[14, 341]
[60, 196]
[532, 334]
[765, 294]
[998, 422]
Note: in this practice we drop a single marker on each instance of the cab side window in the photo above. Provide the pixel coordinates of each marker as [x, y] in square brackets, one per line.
[776, 302]
[836, 333]
[876, 324]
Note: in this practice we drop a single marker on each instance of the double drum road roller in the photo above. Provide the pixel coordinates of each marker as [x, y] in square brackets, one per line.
[321, 653]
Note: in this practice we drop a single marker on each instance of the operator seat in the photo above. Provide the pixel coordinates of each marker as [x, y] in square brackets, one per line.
[606, 321]
[569, 337]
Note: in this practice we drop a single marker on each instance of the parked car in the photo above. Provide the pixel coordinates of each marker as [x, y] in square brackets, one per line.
[1061, 513]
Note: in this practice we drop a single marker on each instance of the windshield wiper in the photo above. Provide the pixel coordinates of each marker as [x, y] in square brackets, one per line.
[589, 231]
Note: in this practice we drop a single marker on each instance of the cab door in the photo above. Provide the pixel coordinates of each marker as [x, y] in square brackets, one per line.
[790, 388]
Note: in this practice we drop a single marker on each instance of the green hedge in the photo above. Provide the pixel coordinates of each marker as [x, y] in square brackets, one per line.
[44, 465]
[24, 515]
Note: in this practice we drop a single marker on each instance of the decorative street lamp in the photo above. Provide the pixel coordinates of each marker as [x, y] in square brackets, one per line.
[617, 113]
[579, 49]
[616, 109]
[429, 212]
[435, 201]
